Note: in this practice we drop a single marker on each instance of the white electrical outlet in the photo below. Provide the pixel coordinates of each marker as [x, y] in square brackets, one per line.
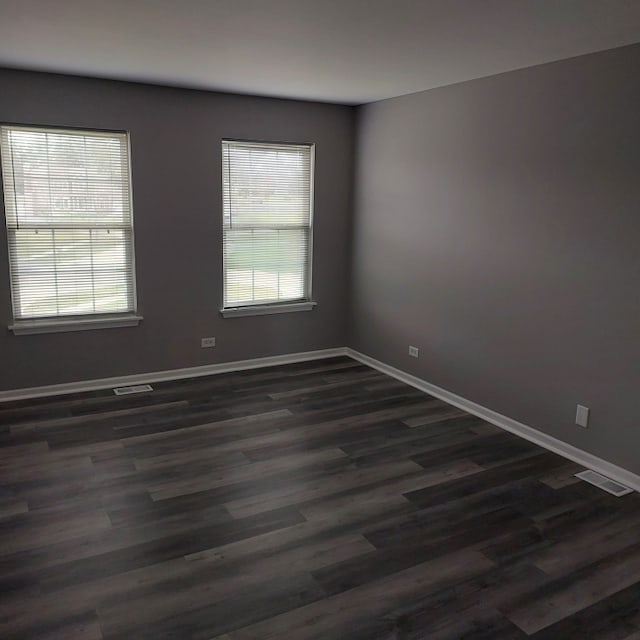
[414, 352]
[205, 343]
[582, 416]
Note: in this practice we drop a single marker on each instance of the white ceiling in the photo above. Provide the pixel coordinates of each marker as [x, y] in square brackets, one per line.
[350, 51]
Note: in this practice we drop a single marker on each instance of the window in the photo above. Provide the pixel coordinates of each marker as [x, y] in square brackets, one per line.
[267, 224]
[69, 222]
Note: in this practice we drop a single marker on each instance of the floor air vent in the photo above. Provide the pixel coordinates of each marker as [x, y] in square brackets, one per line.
[136, 388]
[615, 488]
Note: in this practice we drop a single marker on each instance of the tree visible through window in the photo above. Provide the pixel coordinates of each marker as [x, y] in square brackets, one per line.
[69, 222]
[267, 204]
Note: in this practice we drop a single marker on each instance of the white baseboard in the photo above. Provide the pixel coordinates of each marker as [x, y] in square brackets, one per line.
[171, 374]
[508, 424]
[504, 422]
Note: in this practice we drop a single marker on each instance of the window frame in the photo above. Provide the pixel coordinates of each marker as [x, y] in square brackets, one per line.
[253, 308]
[23, 325]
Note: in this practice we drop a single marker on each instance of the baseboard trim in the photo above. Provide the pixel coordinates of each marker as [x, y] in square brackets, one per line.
[504, 422]
[170, 374]
[544, 440]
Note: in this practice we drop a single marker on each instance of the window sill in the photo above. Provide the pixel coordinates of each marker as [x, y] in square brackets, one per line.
[267, 309]
[59, 325]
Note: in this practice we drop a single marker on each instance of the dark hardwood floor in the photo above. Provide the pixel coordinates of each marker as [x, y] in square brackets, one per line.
[321, 501]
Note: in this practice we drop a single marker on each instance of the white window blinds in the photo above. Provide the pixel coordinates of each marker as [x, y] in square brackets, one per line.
[267, 216]
[69, 223]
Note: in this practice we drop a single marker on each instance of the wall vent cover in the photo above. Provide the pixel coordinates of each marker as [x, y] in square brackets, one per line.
[136, 388]
[610, 486]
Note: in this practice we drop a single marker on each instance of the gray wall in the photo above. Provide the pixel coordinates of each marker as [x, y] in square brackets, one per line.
[497, 228]
[175, 145]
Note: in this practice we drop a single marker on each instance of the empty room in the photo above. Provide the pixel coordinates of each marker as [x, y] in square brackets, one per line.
[320, 320]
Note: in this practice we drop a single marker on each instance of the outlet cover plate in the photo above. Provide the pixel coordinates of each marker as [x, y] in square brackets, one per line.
[582, 416]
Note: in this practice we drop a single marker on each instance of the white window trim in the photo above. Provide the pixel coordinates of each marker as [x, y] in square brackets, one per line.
[267, 309]
[65, 325]
[84, 322]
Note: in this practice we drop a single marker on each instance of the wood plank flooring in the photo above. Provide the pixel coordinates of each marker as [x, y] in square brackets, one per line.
[320, 500]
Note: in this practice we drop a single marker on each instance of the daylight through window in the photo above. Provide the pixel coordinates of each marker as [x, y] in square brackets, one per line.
[69, 221]
[267, 222]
